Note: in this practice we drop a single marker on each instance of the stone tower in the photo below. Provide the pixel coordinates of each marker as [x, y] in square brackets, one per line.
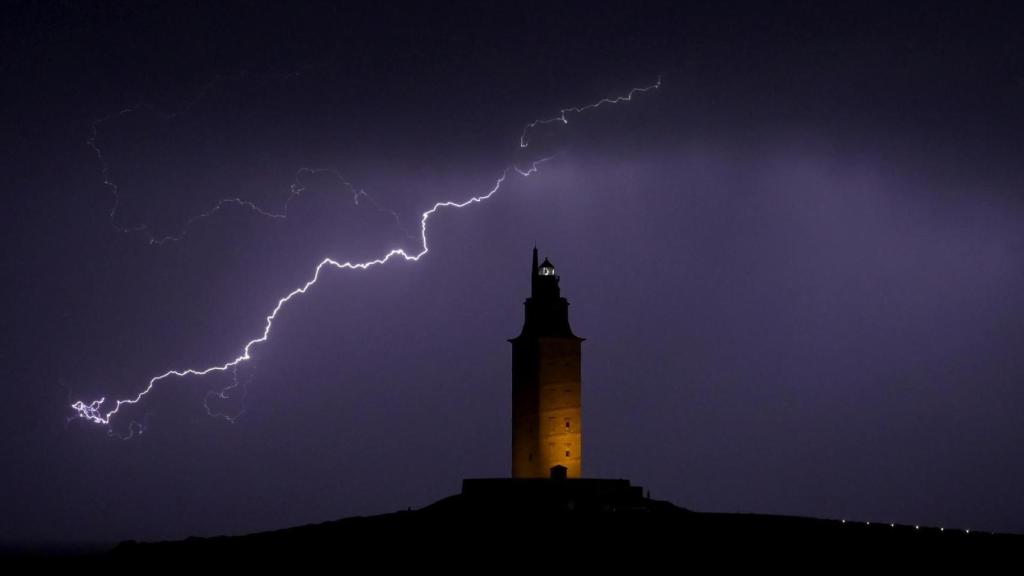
[547, 425]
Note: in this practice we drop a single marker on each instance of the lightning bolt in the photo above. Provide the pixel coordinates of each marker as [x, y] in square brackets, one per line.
[95, 410]
[225, 394]
[296, 189]
[627, 97]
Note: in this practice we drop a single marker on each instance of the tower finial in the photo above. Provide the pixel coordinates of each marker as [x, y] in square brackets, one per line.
[534, 272]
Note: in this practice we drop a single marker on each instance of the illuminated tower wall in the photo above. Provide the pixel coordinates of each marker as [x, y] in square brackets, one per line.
[547, 423]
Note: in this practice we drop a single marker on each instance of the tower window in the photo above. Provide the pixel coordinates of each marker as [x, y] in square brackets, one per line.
[568, 424]
[566, 453]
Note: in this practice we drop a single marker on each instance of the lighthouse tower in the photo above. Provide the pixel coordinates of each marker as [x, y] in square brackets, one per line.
[547, 425]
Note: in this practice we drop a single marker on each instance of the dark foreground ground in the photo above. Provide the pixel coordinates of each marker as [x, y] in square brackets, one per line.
[574, 522]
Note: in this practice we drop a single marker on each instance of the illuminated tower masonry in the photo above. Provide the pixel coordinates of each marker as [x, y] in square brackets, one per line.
[547, 424]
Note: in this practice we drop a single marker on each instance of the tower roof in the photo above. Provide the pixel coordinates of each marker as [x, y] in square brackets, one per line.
[547, 313]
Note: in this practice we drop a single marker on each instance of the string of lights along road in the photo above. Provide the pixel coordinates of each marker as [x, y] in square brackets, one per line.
[101, 411]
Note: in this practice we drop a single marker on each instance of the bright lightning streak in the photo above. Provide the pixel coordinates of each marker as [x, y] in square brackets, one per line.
[628, 97]
[94, 411]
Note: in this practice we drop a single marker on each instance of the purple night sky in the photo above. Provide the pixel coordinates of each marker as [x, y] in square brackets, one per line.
[798, 264]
